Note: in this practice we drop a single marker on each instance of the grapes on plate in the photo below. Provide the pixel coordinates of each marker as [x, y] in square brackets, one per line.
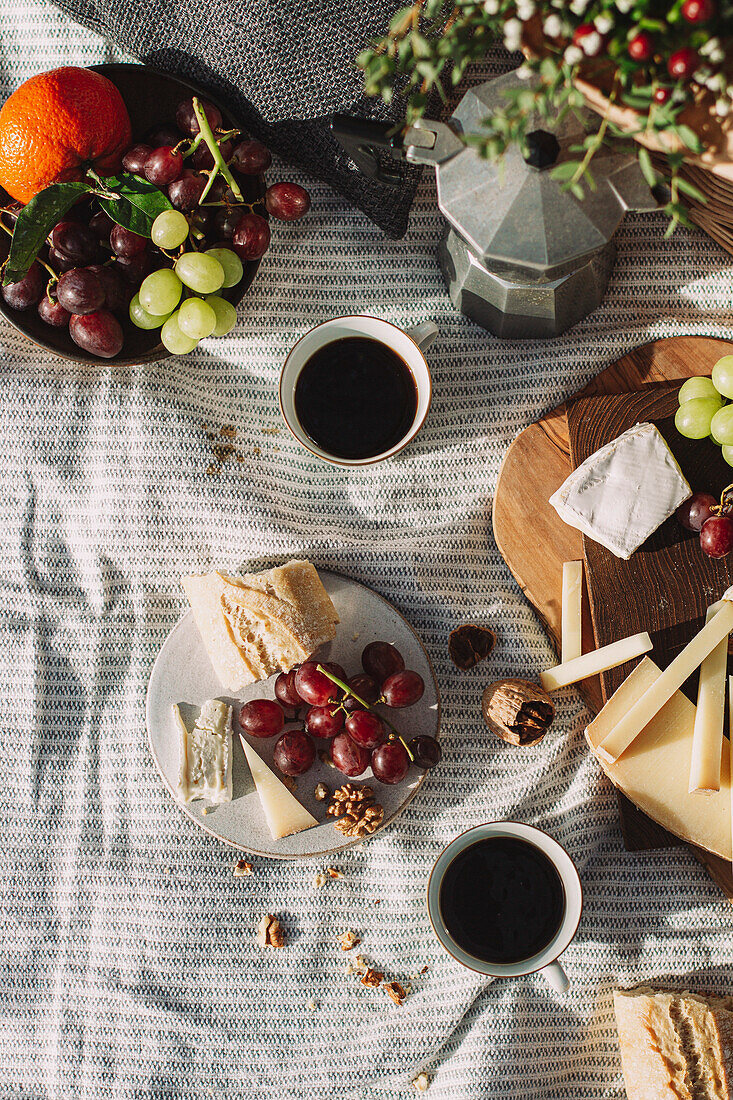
[52, 313]
[390, 762]
[403, 689]
[125, 243]
[163, 166]
[200, 272]
[324, 722]
[117, 292]
[75, 241]
[61, 262]
[142, 319]
[426, 751]
[365, 728]
[196, 318]
[716, 537]
[101, 226]
[250, 158]
[231, 263]
[721, 427]
[80, 291]
[727, 453]
[28, 291]
[365, 688]
[693, 512]
[170, 229]
[160, 292]
[722, 376]
[135, 159]
[287, 201]
[694, 418]
[187, 122]
[286, 691]
[294, 752]
[262, 718]
[313, 686]
[174, 339]
[225, 221]
[185, 193]
[99, 333]
[350, 759]
[697, 387]
[226, 314]
[251, 238]
[380, 660]
[203, 158]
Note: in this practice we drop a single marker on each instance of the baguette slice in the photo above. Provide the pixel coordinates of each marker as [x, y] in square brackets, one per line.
[675, 1046]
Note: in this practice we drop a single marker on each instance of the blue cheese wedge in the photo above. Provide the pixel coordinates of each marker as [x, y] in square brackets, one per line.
[621, 494]
[205, 754]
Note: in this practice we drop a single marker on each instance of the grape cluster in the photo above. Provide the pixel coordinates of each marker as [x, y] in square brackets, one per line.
[99, 276]
[340, 711]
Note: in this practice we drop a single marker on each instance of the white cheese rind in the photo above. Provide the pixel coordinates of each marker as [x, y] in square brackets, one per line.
[623, 492]
[283, 813]
[572, 611]
[599, 660]
[654, 771]
[707, 739]
[205, 754]
[685, 663]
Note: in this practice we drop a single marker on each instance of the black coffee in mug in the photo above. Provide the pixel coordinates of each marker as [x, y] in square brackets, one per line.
[502, 900]
[356, 398]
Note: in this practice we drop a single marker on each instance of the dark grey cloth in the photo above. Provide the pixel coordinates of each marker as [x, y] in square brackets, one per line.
[286, 65]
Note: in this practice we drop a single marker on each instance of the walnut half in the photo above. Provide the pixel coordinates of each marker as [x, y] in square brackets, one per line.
[270, 933]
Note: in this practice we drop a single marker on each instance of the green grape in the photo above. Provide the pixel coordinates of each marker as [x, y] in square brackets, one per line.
[723, 376]
[200, 272]
[196, 319]
[160, 292]
[693, 418]
[174, 340]
[142, 319]
[727, 453]
[170, 229]
[231, 263]
[722, 425]
[698, 387]
[226, 314]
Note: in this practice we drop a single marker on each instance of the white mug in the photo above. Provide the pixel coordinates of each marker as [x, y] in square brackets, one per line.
[409, 345]
[546, 960]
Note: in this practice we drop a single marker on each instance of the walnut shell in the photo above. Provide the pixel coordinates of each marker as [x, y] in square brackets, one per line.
[469, 644]
[518, 711]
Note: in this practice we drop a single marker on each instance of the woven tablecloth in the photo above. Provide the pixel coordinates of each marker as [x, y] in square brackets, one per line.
[127, 947]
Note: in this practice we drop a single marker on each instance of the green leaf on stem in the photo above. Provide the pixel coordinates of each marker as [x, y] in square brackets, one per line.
[647, 168]
[138, 205]
[35, 222]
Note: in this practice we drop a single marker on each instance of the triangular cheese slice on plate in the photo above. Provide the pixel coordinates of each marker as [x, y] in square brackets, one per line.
[283, 813]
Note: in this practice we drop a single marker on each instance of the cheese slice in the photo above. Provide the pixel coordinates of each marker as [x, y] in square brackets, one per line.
[572, 610]
[599, 660]
[630, 725]
[283, 813]
[707, 739]
[623, 492]
[655, 769]
[205, 754]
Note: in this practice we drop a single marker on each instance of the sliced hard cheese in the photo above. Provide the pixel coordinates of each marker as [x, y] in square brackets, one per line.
[654, 770]
[707, 740]
[572, 610]
[600, 660]
[630, 725]
[205, 754]
[283, 813]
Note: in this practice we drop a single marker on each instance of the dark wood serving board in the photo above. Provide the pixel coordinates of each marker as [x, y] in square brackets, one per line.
[672, 576]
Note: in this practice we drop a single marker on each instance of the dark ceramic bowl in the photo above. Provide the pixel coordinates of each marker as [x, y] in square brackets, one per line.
[151, 98]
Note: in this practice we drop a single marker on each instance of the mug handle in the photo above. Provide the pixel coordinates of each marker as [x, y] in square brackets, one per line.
[556, 976]
[424, 335]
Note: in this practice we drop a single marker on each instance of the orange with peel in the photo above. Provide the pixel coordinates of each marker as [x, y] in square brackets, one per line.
[57, 125]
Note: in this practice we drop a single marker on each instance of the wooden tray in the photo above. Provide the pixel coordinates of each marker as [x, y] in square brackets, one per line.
[535, 465]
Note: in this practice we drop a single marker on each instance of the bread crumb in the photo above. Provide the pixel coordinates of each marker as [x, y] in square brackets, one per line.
[348, 940]
[319, 880]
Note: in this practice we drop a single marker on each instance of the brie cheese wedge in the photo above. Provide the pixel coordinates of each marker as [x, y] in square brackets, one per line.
[205, 754]
[621, 494]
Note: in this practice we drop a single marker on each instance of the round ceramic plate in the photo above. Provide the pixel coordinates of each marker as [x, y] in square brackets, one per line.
[183, 674]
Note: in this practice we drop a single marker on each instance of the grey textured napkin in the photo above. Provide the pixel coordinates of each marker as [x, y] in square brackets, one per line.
[286, 65]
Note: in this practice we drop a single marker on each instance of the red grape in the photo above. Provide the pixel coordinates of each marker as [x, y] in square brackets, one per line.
[28, 291]
[186, 192]
[313, 687]
[164, 135]
[682, 64]
[390, 762]
[426, 750]
[98, 333]
[80, 291]
[286, 691]
[365, 688]
[134, 268]
[251, 237]
[101, 226]
[59, 262]
[187, 122]
[294, 752]
[365, 728]
[135, 158]
[251, 158]
[163, 166]
[696, 510]
[380, 660]
[117, 293]
[403, 689]
[226, 220]
[350, 759]
[261, 718]
[203, 159]
[52, 313]
[125, 243]
[75, 241]
[641, 46]
[716, 536]
[324, 722]
[287, 201]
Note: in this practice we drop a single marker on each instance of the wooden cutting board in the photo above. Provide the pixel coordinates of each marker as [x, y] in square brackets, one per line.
[535, 542]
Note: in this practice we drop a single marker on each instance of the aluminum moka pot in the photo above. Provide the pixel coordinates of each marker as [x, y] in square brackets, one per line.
[522, 256]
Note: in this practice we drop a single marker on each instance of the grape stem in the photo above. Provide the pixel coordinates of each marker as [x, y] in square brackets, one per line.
[367, 706]
[717, 509]
[220, 164]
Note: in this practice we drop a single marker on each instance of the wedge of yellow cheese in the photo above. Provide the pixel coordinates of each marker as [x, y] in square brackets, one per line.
[654, 770]
[283, 813]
